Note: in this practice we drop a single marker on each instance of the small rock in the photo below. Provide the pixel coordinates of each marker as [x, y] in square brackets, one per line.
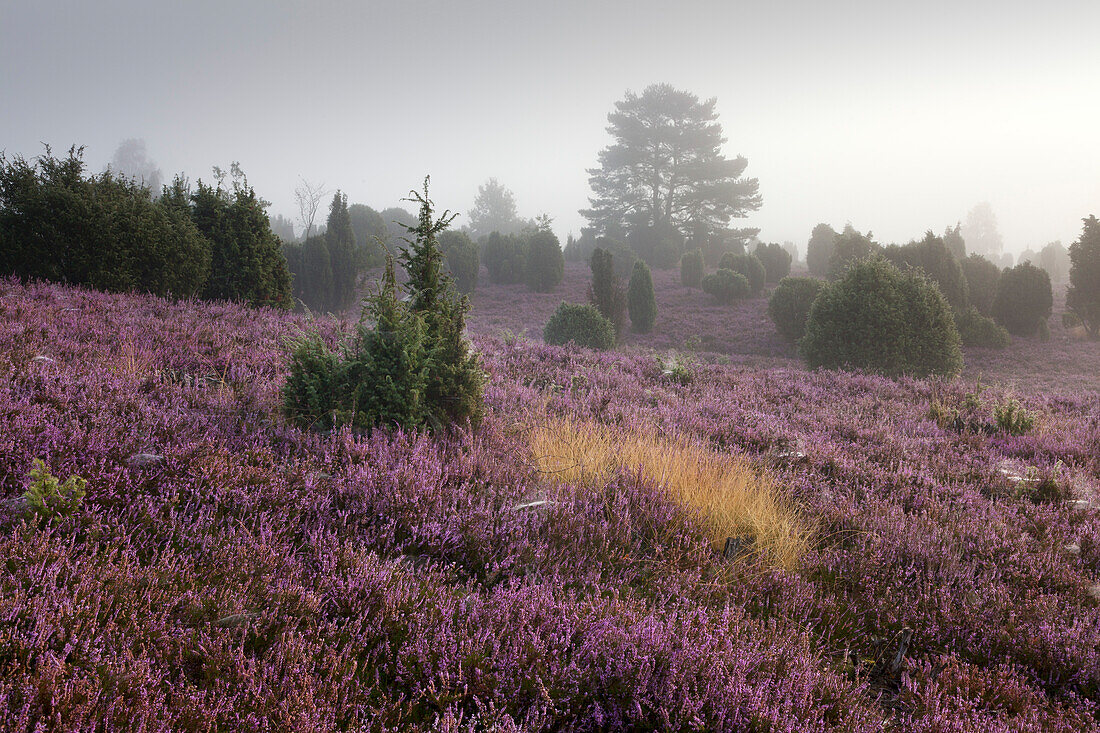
[1073, 548]
[43, 360]
[1079, 503]
[69, 310]
[533, 504]
[1094, 591]
[143, 460]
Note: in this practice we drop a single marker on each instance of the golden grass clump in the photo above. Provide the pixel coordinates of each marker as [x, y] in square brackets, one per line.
[731, 498]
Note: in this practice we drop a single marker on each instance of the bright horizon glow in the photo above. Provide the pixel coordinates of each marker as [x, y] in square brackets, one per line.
[896, 118]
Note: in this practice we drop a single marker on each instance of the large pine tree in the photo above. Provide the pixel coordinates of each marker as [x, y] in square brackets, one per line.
[665, 168]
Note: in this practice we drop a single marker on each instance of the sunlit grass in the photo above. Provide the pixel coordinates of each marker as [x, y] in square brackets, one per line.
[731, 498]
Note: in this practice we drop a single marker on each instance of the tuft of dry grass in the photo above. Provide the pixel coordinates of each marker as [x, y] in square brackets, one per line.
[731, 498]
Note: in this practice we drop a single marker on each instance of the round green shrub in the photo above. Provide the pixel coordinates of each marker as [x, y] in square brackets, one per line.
[776, 261]
[462, 259]
[932, 256]
[789, 305]
[691, 269]
[982, 277]
[640, 299]
[748, 266]
[1024, 299]
[978, 330]
[726, 285]
[545, 262]
[879, 319]
[580, 323]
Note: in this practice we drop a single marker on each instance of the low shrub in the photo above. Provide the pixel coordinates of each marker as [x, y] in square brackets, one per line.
[1024, 299]
[789, 305]
[691, 269]
[48, 498]
[977, 330]
[581, 324]
[726, 285]
[1013, 418]
[776, 261]
[981, 277]
[545, 262]
[879, 319]
[505, 257]
[463, 260]
[748, 266]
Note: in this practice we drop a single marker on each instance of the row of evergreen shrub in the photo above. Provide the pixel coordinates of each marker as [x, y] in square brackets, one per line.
[108, 232]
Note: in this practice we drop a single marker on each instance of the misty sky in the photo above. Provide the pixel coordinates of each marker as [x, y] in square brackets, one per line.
[895, 116]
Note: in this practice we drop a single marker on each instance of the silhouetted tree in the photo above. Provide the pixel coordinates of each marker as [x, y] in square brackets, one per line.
[819, 250]
[370, 235]
[545, 262]
[1054, 258]
[1024, 300]
[953, 240]
[340, 239]
[462, 259]
[1083, 296]
[494, 211]
[982, 277]
[132, 161]
[665, 168]
[641, 301]
[980, 232]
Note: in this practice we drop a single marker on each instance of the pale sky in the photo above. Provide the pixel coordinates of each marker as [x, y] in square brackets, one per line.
[895, 116]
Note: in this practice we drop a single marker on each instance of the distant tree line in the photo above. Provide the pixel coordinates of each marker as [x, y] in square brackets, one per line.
[106, 231]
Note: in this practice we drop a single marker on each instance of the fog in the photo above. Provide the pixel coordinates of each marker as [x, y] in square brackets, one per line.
[895, 117]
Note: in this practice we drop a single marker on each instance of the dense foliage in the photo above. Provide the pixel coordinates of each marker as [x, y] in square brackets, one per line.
[463, 261]
[727, 285]
[581, 324]
[1083, 296]
[408, 366]
[1024, 300]
[850, 247]
[953, 240]
[340, 239]
[931, 256]
[545, 261]
[879, 319]
[819, 250]
[692, 269]
[641, 301]
[776, 261]
[57, 223]
[789, 305]
[247, 262]
[606, 290]
[370, 235]
[505, 257]
[978, 330]
[981, 277]
[748, 266]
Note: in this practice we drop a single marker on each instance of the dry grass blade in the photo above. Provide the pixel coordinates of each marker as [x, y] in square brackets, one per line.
[731, 498]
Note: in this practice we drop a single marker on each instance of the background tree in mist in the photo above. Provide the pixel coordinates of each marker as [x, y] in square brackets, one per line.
[340, 239]
[308, 197]
[819, 250]
[1083, 296]
[981, 234]
[494, 211]
[132, 161]
[665, 168]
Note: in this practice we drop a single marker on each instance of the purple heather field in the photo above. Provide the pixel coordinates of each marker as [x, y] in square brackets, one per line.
[248, 575]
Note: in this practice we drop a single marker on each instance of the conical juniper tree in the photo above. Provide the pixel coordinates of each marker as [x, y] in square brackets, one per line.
[455, 382]
[384, 378]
